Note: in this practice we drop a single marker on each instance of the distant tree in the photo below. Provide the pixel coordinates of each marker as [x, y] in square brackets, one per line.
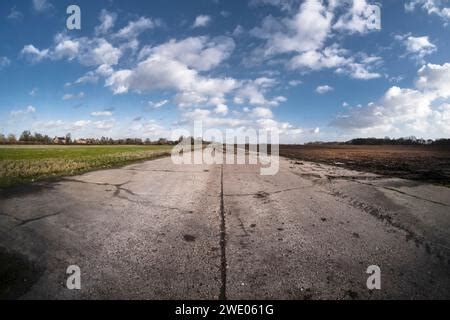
[39, 137]
[442, 142]
[47, 140]
[68, 138]
[2, 138]
[26, 136]
[12, 138]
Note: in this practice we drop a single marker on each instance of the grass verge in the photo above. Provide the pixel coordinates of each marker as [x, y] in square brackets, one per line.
[26, 164]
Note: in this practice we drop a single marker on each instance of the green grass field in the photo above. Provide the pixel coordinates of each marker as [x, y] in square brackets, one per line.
[25, 164]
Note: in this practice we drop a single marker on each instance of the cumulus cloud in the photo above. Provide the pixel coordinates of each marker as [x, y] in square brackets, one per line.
[88, 52]
[358, 19]
[221, 109]
[160, 73]
[261, 112]
[324, 89]
[101, 114]
[28, 110]
[417, 47]
[107, 21]
[89, 77]
[4, 62]
[334, 57]
[15, 14]
[70, 96]
[42, 5]
[253, 92]
[66, 48]
[201, 21]
[158, 104]
[303, 36]
[432, 7]
[286, 5]
[33, 54]
[406, 110]
[306, 30]
[200, 53]
[134, 28]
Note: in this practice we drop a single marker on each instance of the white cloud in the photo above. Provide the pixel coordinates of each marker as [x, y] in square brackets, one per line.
[304, 34]
[107, 21]
[334, 57]
[160, 73]
[4, 62]
[89, 77]
[104, 70]
[418, 47]
[42, 5]
[200, 53]
[33, 92]
[430, 6]
[295, 83]
[283, 4]
[357, 19]
[73, 96]
[434, 79]
[405, 111]
[67, 49]
[324, 89]
[158, 104]
[330, 57]
[101, 113]
[260, 112]
[221, 109]
[134, 28]
[100, 52]
[306, 30]
[15, 14]
[104, 124]
[238, 31]
[33, 54]
[204, 115]
[201, 21]
[28, 110]
[358, 71]
[253, 93]
[89, 52]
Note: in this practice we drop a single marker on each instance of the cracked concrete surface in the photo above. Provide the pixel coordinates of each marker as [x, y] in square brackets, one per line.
[156, 230]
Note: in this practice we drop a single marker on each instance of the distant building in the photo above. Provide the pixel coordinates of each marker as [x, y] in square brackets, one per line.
[85, 141]
[59, 140]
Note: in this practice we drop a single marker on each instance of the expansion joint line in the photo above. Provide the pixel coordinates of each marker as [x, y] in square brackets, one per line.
[223, 257]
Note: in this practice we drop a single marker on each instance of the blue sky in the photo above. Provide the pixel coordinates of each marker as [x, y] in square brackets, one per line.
[315, 70]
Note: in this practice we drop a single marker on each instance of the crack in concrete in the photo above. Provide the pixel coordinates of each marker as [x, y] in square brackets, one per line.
[266, 194]
[24, 222]
[382, 215]
[241, 224]
[10, 216]
[401, 192]
[119, 187]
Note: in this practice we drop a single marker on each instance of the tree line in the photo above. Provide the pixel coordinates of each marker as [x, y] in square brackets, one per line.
[37, 138]
[388, 141]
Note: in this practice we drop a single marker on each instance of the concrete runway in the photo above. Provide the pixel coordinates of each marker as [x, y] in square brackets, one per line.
[156, 230]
